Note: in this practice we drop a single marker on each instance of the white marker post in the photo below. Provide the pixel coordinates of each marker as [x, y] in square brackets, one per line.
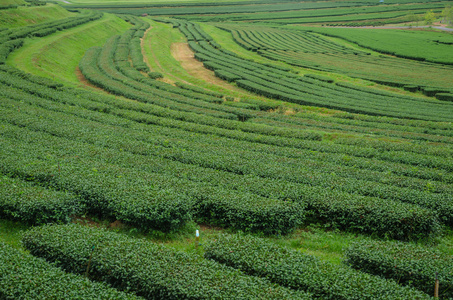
[197, 238]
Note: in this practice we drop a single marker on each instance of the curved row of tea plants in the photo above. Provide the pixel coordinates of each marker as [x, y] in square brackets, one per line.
[310, 50]
[299, 271]
[11, 39]
[275, 83]
[150, 270]
[336, 12]
[27, 277]
[22, 201]
[410, 265]
[206, 156]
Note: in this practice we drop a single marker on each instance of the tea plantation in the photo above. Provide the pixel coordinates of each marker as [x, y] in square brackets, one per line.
[314, 160]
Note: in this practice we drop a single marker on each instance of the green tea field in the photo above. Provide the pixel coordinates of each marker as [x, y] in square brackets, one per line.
[234, 149]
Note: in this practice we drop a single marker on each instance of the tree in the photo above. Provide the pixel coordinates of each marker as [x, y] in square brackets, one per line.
[430, 17]
[414, 19]
[447, 14]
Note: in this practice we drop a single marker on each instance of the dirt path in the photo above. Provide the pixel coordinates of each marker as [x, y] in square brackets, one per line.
[182, 53]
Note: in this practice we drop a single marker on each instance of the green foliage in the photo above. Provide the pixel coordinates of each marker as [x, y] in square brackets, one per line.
[307, 177]
[26, 277]
[408, 264]
[279, 84]
[155, 75]
[199, 90]
[419, 45]
[290, 268]
[447, 14]
[430, 17]
[7, 47]
[262, 105]
[20, 200]
[445, 96]
[150, 270]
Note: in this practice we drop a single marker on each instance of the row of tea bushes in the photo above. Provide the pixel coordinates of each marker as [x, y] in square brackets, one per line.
[408, 264]
[150, 270]
[23, 276]
[22, 201]
[274, 83]
[299, 271]
[140, 197]
[202, 161]
[390, 212]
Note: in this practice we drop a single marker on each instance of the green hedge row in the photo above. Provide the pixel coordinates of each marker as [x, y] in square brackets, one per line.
[155, 75]
[22, 201]
[160, 201]
[408, 264]
[198, 89]
[150, 270]
[262, 105]
[7, 47]
[274, 83]
[23, 276]
[381, 216]
[14, 73]
[52, 26]
[202, 156]
[445, 96]
[296, 270]
[151, 114]
[93, 74]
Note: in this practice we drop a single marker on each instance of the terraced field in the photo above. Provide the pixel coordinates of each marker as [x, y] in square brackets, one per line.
[123, 134]
[311, 50]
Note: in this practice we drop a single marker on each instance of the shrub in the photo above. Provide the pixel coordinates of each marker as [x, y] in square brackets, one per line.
[155, 75]
[23, 276]
[150, 270]
[445, 96]
[291, 268]
[20, 200]
[408, 264]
